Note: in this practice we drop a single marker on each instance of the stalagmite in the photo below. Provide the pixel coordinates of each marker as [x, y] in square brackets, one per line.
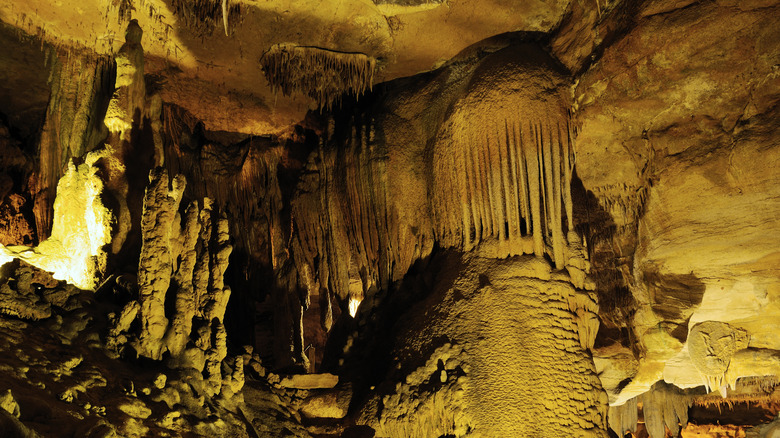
[73, 125]
[214, 357]
[200, 275]
[215, 301]
[120, 325]
[81, 229]
[129, 97]
[156, 266]
[181, 323]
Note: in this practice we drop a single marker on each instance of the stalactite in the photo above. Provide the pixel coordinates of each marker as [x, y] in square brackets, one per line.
[534, 180]
[543, 186]
[480, 190]
[506, 154]
[665, 406]
[323, 75]
[487, 197]
[474, 232]
[225, 16]
[203, 16]
[513, 194]
[567, 172]
[517, 149]
[711, 345]
[623, 418]
[557, 232]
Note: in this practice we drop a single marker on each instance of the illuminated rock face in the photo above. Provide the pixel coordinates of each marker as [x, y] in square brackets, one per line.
[486, 170]
[503, 159]
[505, 357]
[76, 251]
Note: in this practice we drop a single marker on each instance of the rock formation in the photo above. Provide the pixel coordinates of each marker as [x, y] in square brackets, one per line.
[393, 218]
[323, 75]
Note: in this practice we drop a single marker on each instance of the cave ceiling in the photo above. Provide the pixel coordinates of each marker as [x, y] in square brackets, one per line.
[187, 45]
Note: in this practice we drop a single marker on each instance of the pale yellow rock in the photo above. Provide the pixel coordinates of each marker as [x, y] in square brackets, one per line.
[309, 381]
[127, 103]
[160, 380]
[332, 403]
[505, 323]
[135, 408]
[81, 228]
[181, 323]
[155, 264]
[9, 404]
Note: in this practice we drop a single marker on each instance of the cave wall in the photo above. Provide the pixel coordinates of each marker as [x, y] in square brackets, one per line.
[611, 185]
[679, 103]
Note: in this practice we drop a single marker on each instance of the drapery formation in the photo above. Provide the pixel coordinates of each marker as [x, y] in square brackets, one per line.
[503, 162]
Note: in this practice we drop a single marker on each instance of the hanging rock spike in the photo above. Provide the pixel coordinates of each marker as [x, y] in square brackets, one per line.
[321, 74]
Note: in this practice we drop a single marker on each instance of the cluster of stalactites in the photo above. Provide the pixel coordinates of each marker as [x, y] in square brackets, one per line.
[511, 183]
[204, 16]
[323, 75]
[664, 406]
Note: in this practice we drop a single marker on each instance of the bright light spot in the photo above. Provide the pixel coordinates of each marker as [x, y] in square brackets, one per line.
[353, 306]
[5, 256]
[82, 226]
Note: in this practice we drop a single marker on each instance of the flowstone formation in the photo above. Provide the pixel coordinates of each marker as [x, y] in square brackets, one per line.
[503, 160]
[368, 210]
[512, 363]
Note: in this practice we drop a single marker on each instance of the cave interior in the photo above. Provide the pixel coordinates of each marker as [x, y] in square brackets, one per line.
[390, 218]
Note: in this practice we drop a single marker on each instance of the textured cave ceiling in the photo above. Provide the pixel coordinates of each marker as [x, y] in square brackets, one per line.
[484, 217]
[185, 42]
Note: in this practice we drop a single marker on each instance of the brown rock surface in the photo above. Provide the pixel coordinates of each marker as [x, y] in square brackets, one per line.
[200, 62]
[576, 197]
[680, 108]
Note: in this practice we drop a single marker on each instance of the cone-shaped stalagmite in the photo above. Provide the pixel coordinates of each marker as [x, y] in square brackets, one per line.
[156, 265]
